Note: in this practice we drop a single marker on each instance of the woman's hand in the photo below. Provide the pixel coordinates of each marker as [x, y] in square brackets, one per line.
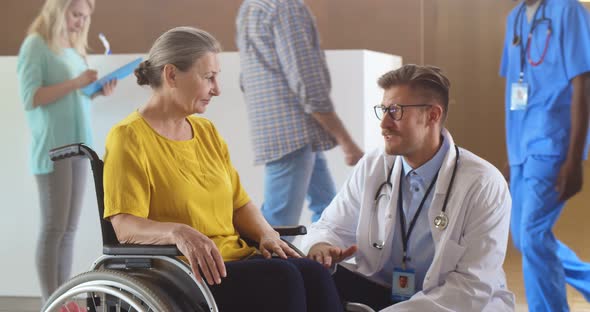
[201, 253]
[271, 242]
[108, 88]
[87, 77]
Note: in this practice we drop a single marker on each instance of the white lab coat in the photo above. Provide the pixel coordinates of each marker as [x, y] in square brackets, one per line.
[466, 272]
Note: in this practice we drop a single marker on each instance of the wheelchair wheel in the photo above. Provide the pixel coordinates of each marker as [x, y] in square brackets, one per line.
[107, 291]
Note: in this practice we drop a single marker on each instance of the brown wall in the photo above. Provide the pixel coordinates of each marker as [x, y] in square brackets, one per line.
[461, 36]
[132, 25]
[464, 37]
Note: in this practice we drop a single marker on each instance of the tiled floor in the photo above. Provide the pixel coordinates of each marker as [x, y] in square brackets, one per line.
[19, 304]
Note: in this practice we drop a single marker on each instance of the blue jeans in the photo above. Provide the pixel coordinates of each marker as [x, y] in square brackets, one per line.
[547, 263]
[289, 180]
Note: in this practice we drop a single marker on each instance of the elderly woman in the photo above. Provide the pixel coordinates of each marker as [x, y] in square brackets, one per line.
[168, 179]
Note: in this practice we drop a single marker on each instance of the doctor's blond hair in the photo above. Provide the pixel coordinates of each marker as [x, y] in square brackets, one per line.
[51, 23]
[428, 80]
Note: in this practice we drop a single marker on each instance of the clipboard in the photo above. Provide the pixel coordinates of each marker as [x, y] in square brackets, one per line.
[118, 74]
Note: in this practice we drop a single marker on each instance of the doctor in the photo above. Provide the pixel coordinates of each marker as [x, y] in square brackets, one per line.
[546, 63]
[422, 208]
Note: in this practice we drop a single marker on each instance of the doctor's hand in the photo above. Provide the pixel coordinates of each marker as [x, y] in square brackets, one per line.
[570, 179]
[201, 252]
[327, 254]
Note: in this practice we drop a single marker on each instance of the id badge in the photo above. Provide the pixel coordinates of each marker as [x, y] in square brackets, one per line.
[519, 96]
[403, 286]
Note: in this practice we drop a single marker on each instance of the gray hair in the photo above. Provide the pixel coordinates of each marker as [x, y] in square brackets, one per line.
[181, 47]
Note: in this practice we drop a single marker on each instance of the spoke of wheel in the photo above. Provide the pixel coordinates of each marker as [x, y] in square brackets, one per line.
[103, 297]
[93, 296]
[134, 297]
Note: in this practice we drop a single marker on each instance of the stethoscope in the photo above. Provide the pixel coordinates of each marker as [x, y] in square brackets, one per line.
[525, 52]
[441, 221]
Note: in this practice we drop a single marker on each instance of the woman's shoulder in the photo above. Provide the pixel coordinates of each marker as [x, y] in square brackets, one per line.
[201, 121]
[130, 121]
[202, 124]
[125, 127]
[205, 129]
[34, 43]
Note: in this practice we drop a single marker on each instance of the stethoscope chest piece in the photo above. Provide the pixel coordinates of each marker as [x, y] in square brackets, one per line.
[441, 221]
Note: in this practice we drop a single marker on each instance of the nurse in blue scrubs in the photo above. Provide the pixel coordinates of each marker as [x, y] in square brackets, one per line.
[546, 63]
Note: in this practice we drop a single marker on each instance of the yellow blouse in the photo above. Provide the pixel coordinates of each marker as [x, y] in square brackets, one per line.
[191, 182]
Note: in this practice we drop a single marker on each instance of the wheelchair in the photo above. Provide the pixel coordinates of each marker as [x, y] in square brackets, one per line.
[140, 278]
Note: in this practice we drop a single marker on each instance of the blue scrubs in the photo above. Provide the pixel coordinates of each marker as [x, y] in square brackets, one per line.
[538, 140]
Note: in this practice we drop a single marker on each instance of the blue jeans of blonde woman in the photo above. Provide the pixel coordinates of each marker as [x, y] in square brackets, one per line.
[547, 263]
[291, 179]
[60, 198]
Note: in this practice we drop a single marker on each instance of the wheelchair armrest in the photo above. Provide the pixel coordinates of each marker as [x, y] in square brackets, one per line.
[291, 230]
[73, 150]
[140, 250]
[171, 250]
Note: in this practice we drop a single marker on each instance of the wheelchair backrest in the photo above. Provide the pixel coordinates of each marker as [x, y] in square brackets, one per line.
[81, 150]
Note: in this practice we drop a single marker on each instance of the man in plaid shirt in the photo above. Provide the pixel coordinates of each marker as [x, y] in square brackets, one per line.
[286, 86]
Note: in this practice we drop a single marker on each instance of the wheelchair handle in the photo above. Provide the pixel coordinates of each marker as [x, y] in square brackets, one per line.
[72, 150]
[291, 230]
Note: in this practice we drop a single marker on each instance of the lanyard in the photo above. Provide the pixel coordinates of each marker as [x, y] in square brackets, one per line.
[402, 216]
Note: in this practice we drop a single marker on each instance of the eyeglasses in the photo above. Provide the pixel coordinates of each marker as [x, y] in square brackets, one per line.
[395, 111]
